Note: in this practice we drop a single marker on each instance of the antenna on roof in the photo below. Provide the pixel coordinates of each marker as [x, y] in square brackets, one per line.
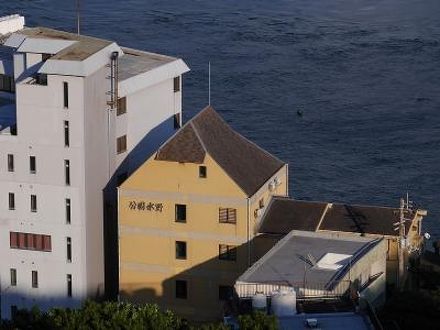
[209, 83]
[77, 17]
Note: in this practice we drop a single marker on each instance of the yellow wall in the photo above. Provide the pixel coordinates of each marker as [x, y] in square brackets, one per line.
[148, 265]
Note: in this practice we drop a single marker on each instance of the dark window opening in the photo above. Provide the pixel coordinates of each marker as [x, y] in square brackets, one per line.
[33, 203]
[34, 279]
[176, 120]
[11, 201]
[67, 172]
[66, 134]
[181, 289]
[45, 57]
[69, 249]
[32, 164]
[41, 79]
[180, 250]
[10, 163]
[180, 213]
[202, 172]
[68, 211]
[66, 94]
[176, 84]
[13, 277]
[69, 285]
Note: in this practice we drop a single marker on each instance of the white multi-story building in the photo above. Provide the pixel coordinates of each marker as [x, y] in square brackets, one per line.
[77, 114]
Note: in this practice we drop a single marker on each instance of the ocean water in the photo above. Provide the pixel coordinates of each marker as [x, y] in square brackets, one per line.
[364, 74]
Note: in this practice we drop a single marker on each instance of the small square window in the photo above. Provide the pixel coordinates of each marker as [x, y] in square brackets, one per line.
[202, 172]
[69, 285]
[180, 250]
[180, 213]
[181, 289]
[33, 203]
[225, 292]
[121, 144]
[122, 106]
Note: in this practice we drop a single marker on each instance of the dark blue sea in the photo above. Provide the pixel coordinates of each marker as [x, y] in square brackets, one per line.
[364, 73]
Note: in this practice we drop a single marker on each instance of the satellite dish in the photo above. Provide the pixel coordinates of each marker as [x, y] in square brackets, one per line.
[427, 236]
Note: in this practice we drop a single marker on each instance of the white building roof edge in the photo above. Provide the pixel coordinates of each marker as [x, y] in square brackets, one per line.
[81, 68]
[47, 46]
[152, 77]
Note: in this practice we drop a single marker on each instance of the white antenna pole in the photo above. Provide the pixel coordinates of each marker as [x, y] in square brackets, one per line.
[407, 200]
[77, 17]
[209, 83]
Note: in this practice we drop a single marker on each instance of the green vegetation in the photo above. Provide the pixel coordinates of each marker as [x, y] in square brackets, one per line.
[413, 309]
[112, 315]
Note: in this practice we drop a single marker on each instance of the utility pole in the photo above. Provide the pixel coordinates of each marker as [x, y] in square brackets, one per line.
[77, 18]
[401, 243]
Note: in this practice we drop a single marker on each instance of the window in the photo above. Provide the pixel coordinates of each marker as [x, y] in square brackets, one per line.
[11, 201]
[66, 94]
[11, 163]
[67, 171]
[41, 79]
[14, 310]
[176, 84]
[227, 252]
[180, 250]
[33, 203]
[66, 134]
[180, 213]
[225, 292]
[121, 144]
[29, 241]
[176, 120]
[202, 172]
[122, 106]
[68, 211]
[181, 289]
[69, 285]
[32, 165]
[7, 83]
[261, 203]
[69, 249]
[34, 279]
[227, 215]
[13, 277]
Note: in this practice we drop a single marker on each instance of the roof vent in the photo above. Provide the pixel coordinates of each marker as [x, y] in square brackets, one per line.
[312, 323]
[11, 23]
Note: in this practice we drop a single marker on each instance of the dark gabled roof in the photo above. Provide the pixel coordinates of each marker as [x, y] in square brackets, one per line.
[207, 133]
[284, 215]
[363, 219]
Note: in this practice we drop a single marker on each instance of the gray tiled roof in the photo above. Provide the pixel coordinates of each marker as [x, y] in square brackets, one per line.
[284, 265]
[207, 133]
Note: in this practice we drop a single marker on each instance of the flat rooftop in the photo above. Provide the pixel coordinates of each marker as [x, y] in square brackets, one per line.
[324, 257]
[84, 46]
[327, 321]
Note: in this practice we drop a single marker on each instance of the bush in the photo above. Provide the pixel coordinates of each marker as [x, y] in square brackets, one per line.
[257, 321]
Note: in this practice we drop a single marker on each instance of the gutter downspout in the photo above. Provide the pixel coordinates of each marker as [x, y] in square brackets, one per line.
[248, 226]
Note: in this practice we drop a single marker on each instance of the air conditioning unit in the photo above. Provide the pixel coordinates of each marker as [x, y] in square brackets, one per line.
[277, 181]
[312, 323]
[258, 213]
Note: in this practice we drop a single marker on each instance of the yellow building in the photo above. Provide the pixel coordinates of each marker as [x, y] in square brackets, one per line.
[187, 215]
